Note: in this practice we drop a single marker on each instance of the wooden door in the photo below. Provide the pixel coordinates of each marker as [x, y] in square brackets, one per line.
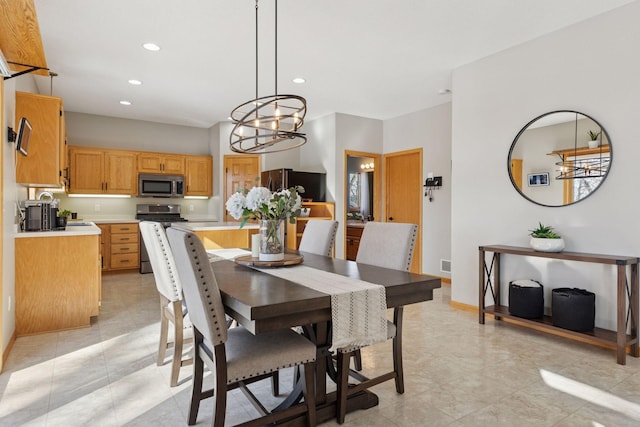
[149, 163]
[86, 170]
[120, 175]
[173, 165]
[516, 172]
[403, 194]
[199, 176]
[240, 172]
[42, 165]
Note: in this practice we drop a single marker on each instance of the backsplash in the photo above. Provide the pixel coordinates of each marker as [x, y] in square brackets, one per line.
[125, 208]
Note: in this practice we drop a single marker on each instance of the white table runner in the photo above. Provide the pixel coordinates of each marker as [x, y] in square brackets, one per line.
[358, 308]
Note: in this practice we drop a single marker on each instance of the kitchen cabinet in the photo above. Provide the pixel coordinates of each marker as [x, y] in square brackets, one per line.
[199, 176]
[124, 246]
[57, 282]
[318, 210]
[101, 171]
[164, 163]
[105, 246]
[45, 163]
[354, 233]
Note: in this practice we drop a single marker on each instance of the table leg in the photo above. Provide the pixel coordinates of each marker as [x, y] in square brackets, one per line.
[634, 304]
[481, 293]
[622, 312]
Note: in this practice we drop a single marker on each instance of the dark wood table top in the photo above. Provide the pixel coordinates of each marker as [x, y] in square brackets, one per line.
[261, 302]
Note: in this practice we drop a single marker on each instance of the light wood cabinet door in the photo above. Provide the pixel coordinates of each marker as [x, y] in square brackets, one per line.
[199, 176]
[86, 170]
[42, 164]
[120, 176]
[160, 163]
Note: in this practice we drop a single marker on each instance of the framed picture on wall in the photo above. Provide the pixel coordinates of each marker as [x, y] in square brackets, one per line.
[538, 179]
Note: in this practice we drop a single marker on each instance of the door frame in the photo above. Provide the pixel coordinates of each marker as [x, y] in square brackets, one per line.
[377, 188]
[417, 261]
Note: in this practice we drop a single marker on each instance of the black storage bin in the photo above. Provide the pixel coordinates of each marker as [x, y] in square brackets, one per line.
[526, 299]
[573, 309]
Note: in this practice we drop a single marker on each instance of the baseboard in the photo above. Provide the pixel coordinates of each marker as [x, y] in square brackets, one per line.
[462, 306]
[445, 281]
[5, 353]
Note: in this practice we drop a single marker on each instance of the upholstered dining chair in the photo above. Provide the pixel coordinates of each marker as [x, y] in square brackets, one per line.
[318, 236]
[388, 245]
[235, 356]
[172, 309]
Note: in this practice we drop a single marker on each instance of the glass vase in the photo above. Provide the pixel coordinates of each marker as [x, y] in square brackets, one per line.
[271, 240]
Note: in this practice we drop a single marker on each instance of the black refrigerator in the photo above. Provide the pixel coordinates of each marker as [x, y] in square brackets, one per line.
[314, 183]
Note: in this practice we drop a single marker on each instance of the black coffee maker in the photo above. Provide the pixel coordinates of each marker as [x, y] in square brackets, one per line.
[40, 215]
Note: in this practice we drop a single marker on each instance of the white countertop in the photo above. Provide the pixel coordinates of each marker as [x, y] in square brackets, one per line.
[211, 226]
[71, 230]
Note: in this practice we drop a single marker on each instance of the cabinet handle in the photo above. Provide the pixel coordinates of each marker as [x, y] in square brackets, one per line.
[124, 238]
[124, 249]
[124, 261]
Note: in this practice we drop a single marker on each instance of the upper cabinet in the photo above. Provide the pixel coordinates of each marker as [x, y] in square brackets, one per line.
[101, 171]
[199, 176]
[45, 163]
[170, 164]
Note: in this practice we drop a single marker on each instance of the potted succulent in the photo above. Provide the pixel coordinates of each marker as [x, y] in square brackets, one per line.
[63, 216]
[594, 139]
[544, 239]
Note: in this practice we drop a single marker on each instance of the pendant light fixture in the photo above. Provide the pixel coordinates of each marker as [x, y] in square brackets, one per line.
[268, 124]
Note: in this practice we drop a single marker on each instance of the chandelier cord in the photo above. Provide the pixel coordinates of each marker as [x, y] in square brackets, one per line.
[256, 57]
[276, 45]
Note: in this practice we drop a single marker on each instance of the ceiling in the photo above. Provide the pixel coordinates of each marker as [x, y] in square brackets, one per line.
[372, 58]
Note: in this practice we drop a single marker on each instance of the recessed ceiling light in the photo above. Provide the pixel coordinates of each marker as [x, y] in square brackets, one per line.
[135, 82]
[299, 80]
[151, 46]
[444, 91]
[125, 102]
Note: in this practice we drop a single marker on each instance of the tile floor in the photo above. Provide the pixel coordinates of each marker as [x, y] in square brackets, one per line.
[458, 373]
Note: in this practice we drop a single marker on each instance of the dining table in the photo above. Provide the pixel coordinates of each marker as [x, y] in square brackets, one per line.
[263, 302]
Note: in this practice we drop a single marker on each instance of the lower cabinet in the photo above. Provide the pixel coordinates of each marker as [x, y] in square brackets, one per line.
[353, 242]
[58, 283]
[120, 247]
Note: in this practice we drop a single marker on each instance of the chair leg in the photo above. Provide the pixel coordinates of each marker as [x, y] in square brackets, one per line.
[275, 383]
[178, 343]
[220, 393]
[196, 391]
[357, 360]
[343, 384]
[309, 392]
[397, 350]
[164, 332]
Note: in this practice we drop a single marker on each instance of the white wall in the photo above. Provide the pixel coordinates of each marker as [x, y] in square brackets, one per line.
[431, 130]
[588, 67]
[12, 192]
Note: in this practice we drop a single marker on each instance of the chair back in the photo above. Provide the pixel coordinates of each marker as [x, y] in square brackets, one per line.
[161, 259]
[199, 285]
[388, 245]
[318, 236]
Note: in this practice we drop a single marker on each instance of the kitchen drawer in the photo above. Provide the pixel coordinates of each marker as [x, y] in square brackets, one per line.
[124, 228]
[124, 238]
[124, 248]
[123, 261]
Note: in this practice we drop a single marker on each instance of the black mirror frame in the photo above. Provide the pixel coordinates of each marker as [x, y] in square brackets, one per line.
[515, 140]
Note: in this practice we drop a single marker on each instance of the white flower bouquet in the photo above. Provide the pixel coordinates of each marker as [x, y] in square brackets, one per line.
[260, 203]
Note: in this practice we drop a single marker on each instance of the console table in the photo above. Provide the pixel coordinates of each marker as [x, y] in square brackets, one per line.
[627, 297]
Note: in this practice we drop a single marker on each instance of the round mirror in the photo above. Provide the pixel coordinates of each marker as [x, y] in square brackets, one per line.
[559, 158]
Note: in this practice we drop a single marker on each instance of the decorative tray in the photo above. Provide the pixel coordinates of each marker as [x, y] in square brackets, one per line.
[289, 259]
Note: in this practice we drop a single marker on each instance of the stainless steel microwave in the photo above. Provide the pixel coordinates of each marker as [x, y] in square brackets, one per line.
[156, 185]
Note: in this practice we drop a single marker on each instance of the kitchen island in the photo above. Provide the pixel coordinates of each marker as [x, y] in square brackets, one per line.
[221, 235]
[58, 282]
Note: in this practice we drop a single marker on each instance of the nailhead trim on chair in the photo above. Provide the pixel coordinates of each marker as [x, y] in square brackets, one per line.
[411, 248]
[244, 377]
[176, 291]
[207, 293]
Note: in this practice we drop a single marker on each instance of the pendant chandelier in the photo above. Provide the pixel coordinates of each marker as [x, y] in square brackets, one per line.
[575, 164]
[268, 124]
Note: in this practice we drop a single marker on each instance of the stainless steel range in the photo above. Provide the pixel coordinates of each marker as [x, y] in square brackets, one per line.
[165, 215]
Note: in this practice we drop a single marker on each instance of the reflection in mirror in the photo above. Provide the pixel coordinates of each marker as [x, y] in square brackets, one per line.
[360, 172]
[559, 158]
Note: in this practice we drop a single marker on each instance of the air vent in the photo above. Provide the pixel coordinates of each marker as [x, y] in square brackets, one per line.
[445, 266]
